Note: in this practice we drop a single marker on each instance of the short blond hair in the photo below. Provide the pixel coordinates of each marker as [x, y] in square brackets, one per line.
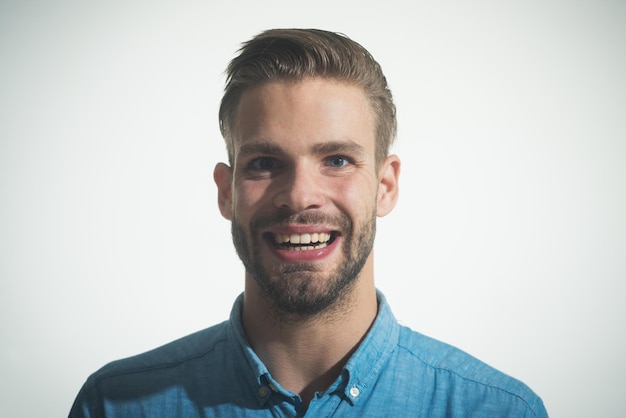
[296, 54]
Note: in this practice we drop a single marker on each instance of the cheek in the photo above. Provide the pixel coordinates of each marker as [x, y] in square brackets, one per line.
[358, 196]
[248, 197]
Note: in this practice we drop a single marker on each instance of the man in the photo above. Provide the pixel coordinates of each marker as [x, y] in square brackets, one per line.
[308, 120]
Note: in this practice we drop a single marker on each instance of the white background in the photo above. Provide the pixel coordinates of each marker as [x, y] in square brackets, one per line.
[508, 241]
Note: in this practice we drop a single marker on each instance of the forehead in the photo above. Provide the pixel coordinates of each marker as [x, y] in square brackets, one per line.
[305, 113]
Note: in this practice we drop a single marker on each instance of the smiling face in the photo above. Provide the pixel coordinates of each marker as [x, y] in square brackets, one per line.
[304, 191]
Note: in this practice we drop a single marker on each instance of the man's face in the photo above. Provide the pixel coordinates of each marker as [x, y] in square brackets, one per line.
[303, 190]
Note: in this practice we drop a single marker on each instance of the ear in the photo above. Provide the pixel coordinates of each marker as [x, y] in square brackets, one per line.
[223, 176]
[388, 185]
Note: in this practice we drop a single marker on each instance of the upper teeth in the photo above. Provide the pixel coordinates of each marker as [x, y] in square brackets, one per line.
[302, 238]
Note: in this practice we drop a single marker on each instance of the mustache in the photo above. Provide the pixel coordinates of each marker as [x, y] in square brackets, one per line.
[281, 218]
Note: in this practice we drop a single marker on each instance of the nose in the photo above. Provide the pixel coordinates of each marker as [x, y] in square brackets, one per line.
[301, 188]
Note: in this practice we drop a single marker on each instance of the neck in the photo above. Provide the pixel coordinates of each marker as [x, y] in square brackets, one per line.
[306, 354]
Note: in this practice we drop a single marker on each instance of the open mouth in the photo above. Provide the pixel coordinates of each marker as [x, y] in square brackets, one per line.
[303, 242]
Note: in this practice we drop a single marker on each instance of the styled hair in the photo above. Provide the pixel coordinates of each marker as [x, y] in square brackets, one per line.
[297, 54]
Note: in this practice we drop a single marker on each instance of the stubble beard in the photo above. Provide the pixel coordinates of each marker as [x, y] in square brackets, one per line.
[301, 290]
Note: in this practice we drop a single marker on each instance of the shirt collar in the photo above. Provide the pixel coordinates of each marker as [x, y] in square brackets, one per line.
[255, 374]
[367, 362]
[359, 373]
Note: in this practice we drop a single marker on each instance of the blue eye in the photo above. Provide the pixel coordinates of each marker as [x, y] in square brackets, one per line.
[337, 161]
[263, 163]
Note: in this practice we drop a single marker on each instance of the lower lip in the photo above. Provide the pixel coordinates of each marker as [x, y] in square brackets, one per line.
[295, 256]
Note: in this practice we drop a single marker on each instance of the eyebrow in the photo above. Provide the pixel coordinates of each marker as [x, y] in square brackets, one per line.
[271, 148]
[260, 147]
[348, 147]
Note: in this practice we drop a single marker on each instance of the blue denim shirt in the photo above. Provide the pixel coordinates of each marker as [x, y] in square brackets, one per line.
[395, 372]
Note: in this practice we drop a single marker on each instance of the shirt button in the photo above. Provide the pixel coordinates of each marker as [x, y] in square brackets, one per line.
[263, 391]
[354, 391]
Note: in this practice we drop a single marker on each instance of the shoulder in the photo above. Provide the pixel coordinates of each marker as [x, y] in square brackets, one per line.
[174, 355]
[462, 376]
[446, 358]
[151, 380]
